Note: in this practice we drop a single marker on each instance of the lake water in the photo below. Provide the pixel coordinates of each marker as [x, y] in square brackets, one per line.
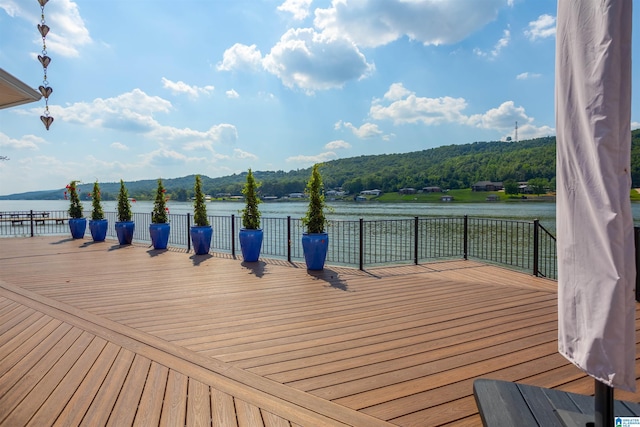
[525, 211]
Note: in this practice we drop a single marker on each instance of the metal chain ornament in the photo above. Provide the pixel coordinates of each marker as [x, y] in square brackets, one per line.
[45, 89]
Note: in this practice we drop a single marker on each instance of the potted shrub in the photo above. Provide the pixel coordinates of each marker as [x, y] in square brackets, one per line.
[251, 234]
[124, 225]
[97, 224]
[315, 241]
[159, 227]
[201, 232]
[77, 223]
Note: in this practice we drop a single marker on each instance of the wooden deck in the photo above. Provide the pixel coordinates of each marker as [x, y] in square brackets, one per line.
[97, 334]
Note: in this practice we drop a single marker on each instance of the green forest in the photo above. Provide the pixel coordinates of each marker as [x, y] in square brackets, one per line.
[449, 167]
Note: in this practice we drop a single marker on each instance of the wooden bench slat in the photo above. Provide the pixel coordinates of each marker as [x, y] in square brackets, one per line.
[501, 402]
[502, 408]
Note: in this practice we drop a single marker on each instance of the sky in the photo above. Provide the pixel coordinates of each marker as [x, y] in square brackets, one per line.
[146, 89]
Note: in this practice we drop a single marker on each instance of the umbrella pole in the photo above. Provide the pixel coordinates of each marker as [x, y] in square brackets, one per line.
[603, 405]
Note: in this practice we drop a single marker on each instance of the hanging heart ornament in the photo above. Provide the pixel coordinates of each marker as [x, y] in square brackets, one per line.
[44, 60]
[45, 91]
[46, 120]
[43, 2]
[44, 30]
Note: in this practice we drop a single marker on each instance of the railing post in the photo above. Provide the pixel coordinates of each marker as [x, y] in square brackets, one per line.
[289, 238]
[415, 241]
[233, 234]
[536, 245]
[465, 238]
[31, 221]
[188, 235]
[361, 245]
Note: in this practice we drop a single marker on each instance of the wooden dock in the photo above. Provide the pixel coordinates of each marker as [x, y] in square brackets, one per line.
[98, 334]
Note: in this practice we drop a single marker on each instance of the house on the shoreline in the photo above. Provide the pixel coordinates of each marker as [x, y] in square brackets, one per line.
[407, 190]
[487, 186]
[432, 189]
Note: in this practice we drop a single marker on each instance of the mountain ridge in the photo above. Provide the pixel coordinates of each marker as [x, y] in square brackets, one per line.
[449, 166]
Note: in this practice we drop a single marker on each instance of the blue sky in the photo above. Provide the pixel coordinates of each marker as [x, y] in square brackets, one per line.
[155, 88]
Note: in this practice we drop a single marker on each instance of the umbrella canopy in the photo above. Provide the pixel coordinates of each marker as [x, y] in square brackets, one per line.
[595, 236]
[14, 92]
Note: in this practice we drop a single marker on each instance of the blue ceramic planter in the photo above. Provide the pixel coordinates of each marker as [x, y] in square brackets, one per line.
[201, 239]
[77, 226]
[250, 244]
[124, 231]
[159, 235]
[315, 249]
[98, 228]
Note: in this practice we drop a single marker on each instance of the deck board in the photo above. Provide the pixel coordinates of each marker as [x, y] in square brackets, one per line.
[163, 337]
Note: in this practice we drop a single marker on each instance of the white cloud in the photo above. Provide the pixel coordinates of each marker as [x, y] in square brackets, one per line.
[396, 91]
[543, 27]
[298, 8]
[27, 142]
[314, 61]
[367, 130]
[635, 125]
[311, 160]
[131, 111]
[374, 23]
[119, 146]
[527, 75]
[412, 109]
[181, 87]
[225, 134]
[134, 112]
[497, 48]
[232, 94]
[240, 57]
[244, 155]
[337, 145]
[68, 31]
[504, 119]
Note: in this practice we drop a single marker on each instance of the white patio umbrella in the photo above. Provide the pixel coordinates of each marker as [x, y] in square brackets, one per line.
[595, 235]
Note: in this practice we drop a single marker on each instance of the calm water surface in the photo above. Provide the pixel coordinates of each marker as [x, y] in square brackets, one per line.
[525, 211]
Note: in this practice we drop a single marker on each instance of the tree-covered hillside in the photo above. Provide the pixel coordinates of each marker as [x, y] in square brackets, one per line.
[452, 167]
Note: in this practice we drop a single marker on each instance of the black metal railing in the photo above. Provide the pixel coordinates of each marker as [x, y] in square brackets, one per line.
[524, 245]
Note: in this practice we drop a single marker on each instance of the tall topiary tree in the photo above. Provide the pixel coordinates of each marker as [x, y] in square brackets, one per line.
[159, 214]
[75, 208]
[251, 213]
[96, 201]
[315, 219]
[199, 206]
[124, 205]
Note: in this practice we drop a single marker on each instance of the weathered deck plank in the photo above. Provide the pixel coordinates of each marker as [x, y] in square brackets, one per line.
[168, 336]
